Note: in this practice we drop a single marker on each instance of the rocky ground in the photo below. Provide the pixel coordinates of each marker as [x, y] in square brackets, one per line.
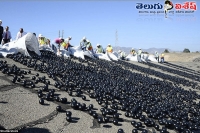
[20, 109]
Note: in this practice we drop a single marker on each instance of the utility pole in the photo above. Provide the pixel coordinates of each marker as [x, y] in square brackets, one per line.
[116, 39]
[62, 33]
[59, 34]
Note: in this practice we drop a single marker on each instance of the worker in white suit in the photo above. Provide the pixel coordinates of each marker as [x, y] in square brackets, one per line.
[83, 43]
[121, 54]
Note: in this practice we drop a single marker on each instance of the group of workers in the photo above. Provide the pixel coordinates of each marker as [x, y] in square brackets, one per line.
[43, 40]
[139, 53]
[86, 45]
[158, 58]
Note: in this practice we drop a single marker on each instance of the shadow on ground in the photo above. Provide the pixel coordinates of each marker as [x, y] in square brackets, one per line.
[2, 128]
[34, 130]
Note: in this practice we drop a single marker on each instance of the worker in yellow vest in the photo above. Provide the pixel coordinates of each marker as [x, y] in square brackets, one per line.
[67, 44]
[63, 44]
[41, 39]
[99, 49]
[90, 48]
[109, 49]
[162, 58]
[132, 52]
[89, 45]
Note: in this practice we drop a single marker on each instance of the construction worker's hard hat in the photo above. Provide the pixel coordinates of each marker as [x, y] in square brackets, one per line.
[84, 38]
[40, 35]
[109, 44]
[119, 51]
[70, 37]
[67, 40]
[98, 45]
[88, 40]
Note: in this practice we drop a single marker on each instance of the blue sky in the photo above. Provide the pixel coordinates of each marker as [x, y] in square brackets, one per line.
[99, 20]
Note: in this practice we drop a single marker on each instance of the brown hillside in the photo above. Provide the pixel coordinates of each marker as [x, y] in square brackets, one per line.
[181, 57]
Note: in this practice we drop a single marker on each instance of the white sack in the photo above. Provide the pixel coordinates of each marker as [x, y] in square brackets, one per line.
[77, 52]
[102, 56]
[112, 56]
[28, 41]
[130, 57]
[45, 48]
[116, 54]
[89, 54]
[152, 58]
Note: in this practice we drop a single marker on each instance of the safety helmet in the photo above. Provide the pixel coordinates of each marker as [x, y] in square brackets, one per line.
[88, 40]
[109, 44]
[119, 51]
[98, 45]
[70, 37]
[84, 38]
[67, 40]
[40, 35]
[132, 48]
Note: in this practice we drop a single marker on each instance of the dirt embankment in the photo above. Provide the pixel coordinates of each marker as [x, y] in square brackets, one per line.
[182, 57]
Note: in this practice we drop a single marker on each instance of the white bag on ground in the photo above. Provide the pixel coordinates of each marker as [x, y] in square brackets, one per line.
[130, 57]
[45, 48]
[112, 56]
[28, 41]
[152, 58]
[116, 54]
[89, 54]
[77, 52]
[102, 56]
